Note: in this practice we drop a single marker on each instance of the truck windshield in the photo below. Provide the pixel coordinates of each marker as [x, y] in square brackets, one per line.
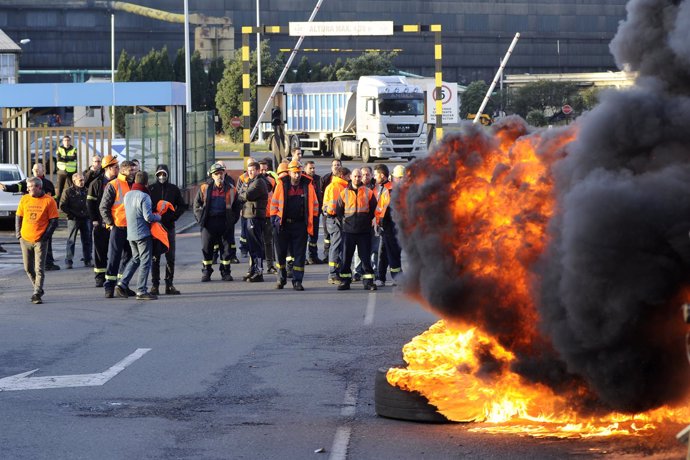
[401, 107]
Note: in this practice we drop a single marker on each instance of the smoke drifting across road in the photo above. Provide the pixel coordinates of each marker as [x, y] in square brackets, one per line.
[606, 278]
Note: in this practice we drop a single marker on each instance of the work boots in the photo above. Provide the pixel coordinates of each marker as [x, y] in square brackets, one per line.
[257, 276]
[206, 274]
[170, 289]
[154, 290]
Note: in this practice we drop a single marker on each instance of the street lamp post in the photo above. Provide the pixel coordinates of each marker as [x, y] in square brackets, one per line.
[187, 59]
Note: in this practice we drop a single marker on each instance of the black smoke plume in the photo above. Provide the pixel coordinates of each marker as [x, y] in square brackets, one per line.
[609, 284]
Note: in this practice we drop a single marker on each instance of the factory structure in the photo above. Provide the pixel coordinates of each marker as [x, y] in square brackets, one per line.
[59, 39]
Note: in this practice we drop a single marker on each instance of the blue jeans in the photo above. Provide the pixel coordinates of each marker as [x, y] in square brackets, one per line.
[83, 227]
[141, 258]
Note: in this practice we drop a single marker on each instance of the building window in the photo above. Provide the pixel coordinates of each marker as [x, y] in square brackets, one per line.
[8, 68]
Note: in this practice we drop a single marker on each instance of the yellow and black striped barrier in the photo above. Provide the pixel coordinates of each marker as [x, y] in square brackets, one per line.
[405, 28]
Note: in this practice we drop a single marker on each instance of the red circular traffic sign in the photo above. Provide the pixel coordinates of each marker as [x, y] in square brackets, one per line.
[235, 122]
[566, 109]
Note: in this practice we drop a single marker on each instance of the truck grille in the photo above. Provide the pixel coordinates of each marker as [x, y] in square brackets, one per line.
[402, 128]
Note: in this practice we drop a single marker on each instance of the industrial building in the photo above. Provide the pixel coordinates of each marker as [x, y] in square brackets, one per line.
[557, 35]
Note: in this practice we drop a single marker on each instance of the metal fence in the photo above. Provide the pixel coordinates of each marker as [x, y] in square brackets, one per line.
[200, 149]
[39, 145]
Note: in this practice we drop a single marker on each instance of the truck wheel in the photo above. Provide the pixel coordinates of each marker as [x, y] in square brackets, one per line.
[338, 149]
[365, 151]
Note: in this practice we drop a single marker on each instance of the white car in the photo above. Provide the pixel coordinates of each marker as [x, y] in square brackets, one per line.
[10, 174]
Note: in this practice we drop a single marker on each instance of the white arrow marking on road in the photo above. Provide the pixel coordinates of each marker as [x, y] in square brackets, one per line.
[24, 382]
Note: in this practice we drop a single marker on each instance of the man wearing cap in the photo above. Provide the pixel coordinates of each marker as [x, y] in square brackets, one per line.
[233, 247]
[66, 155]
[216, 209]
[112, 209]
[254, 197]
[163, 190]
[293, 210]
[101, 235]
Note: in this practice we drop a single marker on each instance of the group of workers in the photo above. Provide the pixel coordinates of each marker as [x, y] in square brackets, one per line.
[279, 213]
[101, 208]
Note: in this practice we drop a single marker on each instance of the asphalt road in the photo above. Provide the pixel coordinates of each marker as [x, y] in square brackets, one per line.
[235, 371]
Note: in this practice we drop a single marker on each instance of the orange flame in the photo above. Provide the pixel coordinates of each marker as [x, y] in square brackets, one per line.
[502, 201]
[444, 366]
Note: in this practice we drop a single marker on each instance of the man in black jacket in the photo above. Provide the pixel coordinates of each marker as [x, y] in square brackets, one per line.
[254, 197]
[163, 190]
[94, 171]
[73, 204]
[101, 235]
[216, 209]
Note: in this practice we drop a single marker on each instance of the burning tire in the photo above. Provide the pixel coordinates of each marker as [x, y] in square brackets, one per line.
[392, 402]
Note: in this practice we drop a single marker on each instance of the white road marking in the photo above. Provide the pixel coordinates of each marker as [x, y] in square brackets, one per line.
[340, 443]
[371, 307]
[342, 434]
[350, 401]
[24, 382]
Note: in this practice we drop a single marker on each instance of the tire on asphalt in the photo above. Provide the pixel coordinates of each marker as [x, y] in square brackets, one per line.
[393, 402]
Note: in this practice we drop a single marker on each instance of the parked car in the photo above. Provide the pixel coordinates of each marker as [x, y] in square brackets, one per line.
[10, 174]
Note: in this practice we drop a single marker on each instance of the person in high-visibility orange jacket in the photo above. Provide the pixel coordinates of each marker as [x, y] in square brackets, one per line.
[356, 207]
[293, 208]
[338, 183]
[112, 209]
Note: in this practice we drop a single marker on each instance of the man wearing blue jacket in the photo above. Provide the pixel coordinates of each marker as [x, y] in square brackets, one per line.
[139, 218]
